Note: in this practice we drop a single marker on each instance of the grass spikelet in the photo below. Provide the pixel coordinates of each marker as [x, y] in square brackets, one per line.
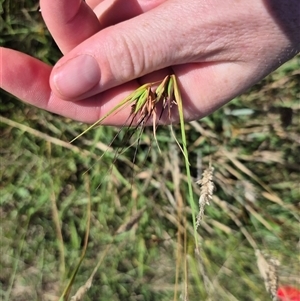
[268, 271]
[207, 189]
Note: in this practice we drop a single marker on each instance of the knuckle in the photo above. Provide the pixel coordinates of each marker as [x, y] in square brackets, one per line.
[125, 56]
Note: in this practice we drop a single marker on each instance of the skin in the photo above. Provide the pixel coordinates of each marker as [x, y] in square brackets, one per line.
[217, 49]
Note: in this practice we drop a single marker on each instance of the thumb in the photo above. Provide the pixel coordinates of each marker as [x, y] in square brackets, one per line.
[126, 51]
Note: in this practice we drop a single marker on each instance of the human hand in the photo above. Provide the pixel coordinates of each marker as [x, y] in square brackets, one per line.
[216, 49]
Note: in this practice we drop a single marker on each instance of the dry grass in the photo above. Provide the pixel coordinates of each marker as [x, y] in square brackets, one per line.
[206, 194]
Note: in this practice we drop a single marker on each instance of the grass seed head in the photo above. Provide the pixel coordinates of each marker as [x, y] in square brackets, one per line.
[207, 189]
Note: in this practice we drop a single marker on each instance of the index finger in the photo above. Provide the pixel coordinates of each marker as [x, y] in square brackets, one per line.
[70, 22]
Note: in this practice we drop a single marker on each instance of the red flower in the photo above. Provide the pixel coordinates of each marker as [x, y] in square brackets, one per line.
[288, 293]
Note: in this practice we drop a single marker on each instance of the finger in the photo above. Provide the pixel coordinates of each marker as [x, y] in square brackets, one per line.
[93, 3]
[69, 23]
[99, 6]
[115, 11]
[28, 79]
[24, 76]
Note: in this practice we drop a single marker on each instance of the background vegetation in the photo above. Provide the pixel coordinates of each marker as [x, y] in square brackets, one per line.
[46, 183]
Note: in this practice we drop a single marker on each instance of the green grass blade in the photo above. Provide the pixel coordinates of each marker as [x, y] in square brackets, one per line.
[65, 295]
[185, 152]
[128, 100]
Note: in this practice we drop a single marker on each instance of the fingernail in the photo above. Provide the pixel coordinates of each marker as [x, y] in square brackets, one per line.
[76, 76]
